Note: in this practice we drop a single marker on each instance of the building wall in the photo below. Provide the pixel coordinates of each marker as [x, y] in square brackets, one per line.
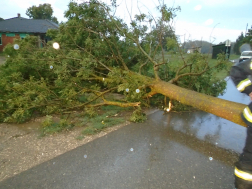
[6, 40]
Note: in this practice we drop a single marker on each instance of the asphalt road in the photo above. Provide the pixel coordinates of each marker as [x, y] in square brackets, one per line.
[167, 151]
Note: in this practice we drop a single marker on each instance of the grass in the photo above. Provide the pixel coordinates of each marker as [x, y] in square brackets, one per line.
[55, 128]
[100, 122]
[107, 116]
[176, 62]
[49, 126]
[234, 56]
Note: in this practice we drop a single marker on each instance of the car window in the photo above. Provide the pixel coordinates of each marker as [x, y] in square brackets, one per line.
[247, 53]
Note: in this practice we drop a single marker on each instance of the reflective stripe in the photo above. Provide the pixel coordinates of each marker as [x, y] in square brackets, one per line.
[243, 175]
[243, 84]
[247, 114]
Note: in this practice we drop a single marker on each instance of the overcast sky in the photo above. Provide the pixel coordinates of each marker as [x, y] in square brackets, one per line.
[210, 20]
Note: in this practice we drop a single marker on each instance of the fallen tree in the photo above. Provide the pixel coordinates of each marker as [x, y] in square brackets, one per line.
[94, 54]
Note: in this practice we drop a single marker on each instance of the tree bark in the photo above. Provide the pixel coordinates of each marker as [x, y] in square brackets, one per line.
[219, 107]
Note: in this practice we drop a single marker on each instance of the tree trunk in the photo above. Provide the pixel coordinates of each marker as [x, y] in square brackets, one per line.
[219, 107]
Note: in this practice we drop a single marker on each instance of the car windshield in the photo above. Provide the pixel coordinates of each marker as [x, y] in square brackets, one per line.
[247, 53]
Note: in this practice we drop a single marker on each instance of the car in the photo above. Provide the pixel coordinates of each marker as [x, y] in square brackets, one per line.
[245, 55]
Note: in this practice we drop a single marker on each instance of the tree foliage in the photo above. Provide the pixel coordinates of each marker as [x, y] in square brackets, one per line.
[1, 19]
[99, 55]
[43, 11]
[238, 43]
[248, 37]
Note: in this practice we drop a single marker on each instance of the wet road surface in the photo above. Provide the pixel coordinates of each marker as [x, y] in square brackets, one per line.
[175, 150]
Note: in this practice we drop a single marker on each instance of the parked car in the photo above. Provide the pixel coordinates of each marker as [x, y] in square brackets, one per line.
[245, 55]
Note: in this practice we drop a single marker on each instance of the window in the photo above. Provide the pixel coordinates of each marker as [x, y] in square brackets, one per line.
[246, 53]
[22, 35]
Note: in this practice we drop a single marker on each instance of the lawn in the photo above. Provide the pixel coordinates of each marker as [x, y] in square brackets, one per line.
[176, 61]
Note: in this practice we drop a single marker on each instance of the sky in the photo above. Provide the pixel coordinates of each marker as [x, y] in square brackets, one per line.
[209, 20]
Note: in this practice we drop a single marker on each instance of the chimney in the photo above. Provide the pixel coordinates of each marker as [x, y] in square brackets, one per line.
[18, 15]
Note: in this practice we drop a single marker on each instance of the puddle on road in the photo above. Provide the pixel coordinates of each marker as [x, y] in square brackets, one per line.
[205, 132]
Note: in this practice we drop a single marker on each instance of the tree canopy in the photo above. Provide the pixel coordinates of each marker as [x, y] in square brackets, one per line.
[95, 54]
[248, 37]
[43, 11]
[238, 43]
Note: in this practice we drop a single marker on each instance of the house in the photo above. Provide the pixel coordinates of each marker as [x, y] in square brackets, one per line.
[19, 27]
[193, 50]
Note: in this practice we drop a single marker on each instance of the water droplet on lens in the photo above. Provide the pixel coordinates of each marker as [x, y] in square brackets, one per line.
[210, 158]
[51, 67]
[131, 149]
[85, 156]
[16, 46]
[56, 45]
[137, 91]
[127, 90]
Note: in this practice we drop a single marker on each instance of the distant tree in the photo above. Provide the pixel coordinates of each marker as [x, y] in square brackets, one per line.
[238, 43]
[44, 11]
[248, 37]
[1, 19]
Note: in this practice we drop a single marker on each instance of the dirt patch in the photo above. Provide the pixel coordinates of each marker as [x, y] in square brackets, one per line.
[21, 147]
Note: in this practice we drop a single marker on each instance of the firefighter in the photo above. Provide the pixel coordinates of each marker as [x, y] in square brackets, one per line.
[241, 74]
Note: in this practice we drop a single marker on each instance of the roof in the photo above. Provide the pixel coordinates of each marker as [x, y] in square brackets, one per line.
[24, 25]
[218, 45]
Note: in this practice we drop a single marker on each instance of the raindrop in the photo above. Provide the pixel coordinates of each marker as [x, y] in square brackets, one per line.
[137, 91]
[188, 52]
[85, 156]
[216, 143]
[129, 57]
[51, 67]
[56, 45]
[16, 46]
[127, 90]
[103, 79]
[8, 55]
[131, 149]
[53, 163]
[210, 158]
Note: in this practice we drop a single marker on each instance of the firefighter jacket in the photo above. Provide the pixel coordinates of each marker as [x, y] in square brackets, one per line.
[241, 74]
